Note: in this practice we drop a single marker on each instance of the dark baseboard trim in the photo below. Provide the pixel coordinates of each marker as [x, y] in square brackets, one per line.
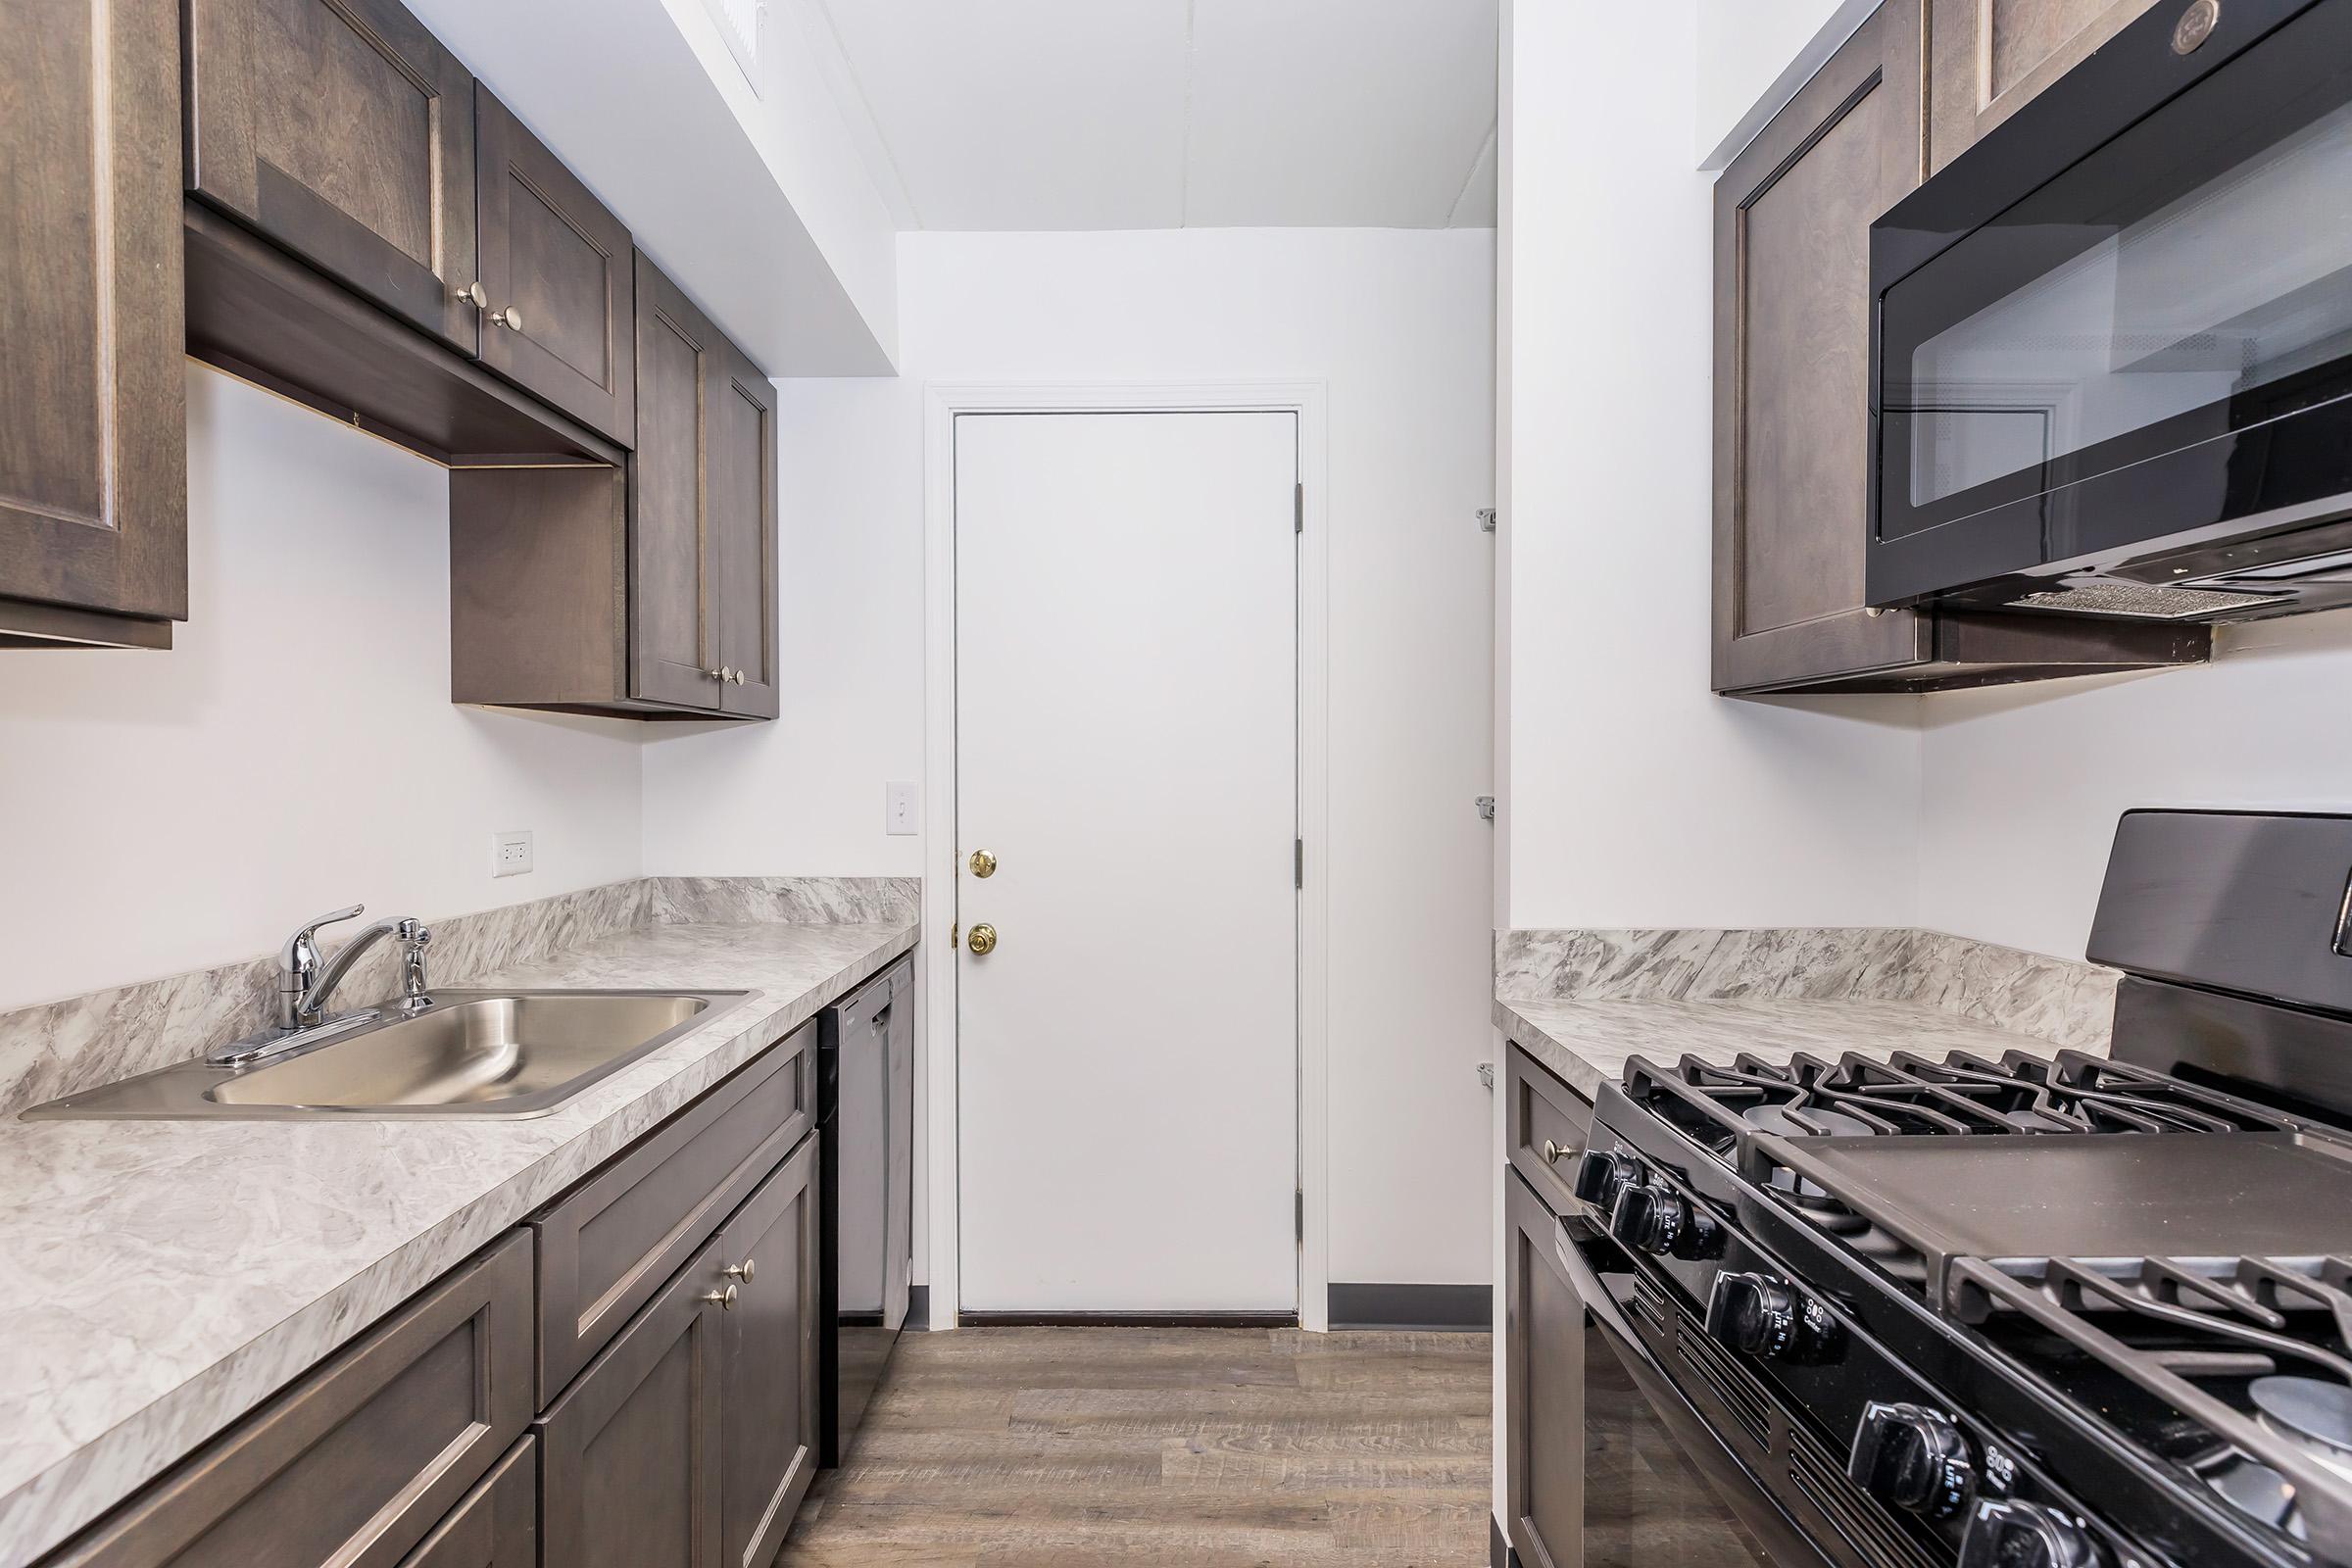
[1499, 1550]
[1458, 1309]
[1130, 1320]
[919, 1306]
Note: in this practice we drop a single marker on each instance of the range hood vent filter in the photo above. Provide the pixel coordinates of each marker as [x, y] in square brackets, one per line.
[2145, 601]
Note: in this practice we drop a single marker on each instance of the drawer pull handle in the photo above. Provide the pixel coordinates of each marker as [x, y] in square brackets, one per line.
[725, 1299]
[742, 1271]
[1553, 1152]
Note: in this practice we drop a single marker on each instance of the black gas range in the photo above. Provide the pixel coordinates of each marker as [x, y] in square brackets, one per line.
[2035, 1313]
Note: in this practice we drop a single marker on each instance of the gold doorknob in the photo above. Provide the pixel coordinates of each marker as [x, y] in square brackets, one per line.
[983, 940]
[983, 863]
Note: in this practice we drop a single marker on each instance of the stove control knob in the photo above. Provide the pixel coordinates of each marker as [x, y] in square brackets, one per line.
[1598, 1177]
[2026, 1534]
[1911, 1457]
[1754, 1313]
[1657, 1221]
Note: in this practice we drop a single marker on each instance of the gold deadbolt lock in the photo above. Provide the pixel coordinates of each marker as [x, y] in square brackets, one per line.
[983, 863]
[983, 940]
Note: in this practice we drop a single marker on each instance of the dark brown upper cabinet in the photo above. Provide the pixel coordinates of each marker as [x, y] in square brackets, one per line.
[648, 593]
[93, 444]
[1792, 217]
[743, 534]
[343, 130]
[1988, 57]
[557, 291]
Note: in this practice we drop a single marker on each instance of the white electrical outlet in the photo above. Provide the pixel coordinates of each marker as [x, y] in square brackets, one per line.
[509, 854]
[901, 809]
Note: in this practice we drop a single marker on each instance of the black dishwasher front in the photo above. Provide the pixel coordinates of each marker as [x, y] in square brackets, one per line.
[865, 1108]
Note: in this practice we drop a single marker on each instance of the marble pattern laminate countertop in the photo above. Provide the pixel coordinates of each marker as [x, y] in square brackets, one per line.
[1587, 1042]
[159, 1279]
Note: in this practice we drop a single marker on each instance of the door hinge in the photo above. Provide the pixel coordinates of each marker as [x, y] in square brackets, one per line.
[1298, 1211]
[1298, 508]
[1485, 807]
[1486, 519]
[1297, 862]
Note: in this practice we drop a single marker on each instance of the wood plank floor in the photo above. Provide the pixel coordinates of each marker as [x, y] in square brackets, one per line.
[1182, 1447]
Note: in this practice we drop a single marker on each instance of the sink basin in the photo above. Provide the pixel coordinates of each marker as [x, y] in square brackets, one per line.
[508, 1054]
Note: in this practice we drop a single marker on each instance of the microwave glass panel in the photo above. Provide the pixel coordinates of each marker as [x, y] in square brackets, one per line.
[2238, 284]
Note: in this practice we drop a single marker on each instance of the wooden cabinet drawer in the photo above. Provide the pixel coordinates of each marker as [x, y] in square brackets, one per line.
[497, 1526]
[1544, 1127]
[355, 1463]
[767, 1362]
[607, 1247]
[1544, 1388]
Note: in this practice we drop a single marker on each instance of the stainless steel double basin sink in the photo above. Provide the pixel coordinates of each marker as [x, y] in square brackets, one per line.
[462, 1054]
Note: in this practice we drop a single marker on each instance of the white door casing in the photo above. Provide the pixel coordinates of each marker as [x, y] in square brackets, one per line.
[1126, 742]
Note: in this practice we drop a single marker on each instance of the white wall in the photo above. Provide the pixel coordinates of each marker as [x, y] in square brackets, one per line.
[2024, 785]
[1399, 323]
[1752, 57]
[297, 749]
[1635, 797]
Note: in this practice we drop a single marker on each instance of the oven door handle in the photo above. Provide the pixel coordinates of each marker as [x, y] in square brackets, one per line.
[1748, 1497]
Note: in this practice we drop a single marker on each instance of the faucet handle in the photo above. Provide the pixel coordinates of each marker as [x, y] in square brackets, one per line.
[414, 932]
[299, 945]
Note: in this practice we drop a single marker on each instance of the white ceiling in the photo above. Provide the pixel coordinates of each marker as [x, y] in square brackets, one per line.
[1171, 114]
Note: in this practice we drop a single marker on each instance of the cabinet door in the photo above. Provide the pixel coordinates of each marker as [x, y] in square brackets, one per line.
[343, 130]
[497, 1526]
[1792, 217]
[93, 459]
[558, 273]
[630, 1453]
[354, 1464]
[743, 515]
[768, 1361]
[1544, 1388]
[673, 653]
[1990, 56]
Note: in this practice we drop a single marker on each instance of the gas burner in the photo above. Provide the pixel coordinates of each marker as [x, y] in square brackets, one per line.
[2311, 1412]
[1795, 1120]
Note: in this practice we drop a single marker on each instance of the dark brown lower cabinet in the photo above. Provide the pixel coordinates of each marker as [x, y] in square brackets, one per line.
[1543, 1383]
[630, 1453]
[497, 1526]
[767, 1362]
[691, 1439]
[358, 1462]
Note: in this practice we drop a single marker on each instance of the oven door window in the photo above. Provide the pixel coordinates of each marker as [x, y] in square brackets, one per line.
[2191, 279]
[1647, 1506]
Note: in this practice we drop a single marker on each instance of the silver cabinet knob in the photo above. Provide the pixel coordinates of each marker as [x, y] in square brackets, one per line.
[476, 295]
[740, 677]
[742, 1271]
[716, 674]
[725, 1299]
[1554, 1153]
[509, 319]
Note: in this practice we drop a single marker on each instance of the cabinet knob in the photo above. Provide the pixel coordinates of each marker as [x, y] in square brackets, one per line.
[509, 319]
[476, 295]
[742, 1271]
[725, 1299]
[1553, 1152]
[739, 677]
[716, 674]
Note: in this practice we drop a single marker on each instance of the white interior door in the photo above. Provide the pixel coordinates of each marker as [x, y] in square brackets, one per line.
[1126, 746]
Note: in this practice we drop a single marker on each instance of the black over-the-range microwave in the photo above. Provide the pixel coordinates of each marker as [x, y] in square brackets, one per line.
[2112, 342]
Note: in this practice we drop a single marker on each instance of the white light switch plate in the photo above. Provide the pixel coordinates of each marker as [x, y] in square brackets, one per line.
[509, 854]
[901, 809]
